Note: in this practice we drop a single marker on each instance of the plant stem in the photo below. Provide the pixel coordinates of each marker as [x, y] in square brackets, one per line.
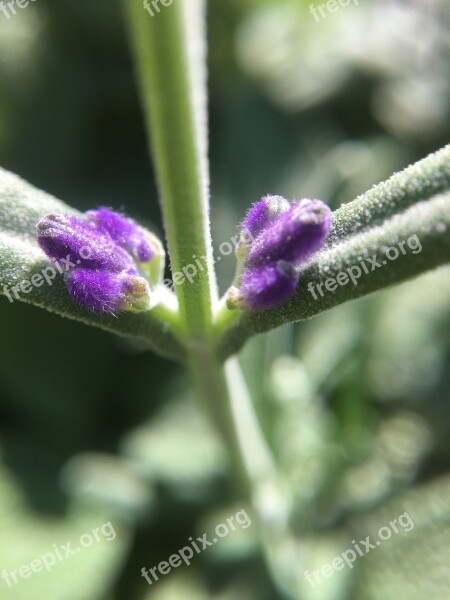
[170, 52]
[169, 49]
[225, 397]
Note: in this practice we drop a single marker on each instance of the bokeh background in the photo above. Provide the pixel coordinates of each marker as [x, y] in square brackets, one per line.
[355, 403]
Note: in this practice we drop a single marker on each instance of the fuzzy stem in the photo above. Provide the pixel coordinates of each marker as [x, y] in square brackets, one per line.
[224, 396]
[170, 52]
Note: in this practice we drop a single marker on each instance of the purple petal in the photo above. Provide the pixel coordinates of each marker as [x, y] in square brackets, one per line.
[127, 233]
[294, 236]
[262, 213]
[267, 286]
[107, 292]
[65, 236]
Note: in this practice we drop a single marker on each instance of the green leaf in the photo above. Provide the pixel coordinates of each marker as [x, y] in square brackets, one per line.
[177, 447]
[27, 536]
[412, 564]
[170, 49]
[415, 202]
[21, 207]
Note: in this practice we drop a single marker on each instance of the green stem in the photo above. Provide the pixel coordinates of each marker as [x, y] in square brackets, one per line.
[225, 398]
[167, 48]
[169, 52]
[173, 92]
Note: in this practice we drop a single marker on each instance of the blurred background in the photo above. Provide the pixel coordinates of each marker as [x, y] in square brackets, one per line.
[355, 403]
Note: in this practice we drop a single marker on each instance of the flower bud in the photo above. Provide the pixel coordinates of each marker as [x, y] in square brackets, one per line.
[294, 236]
[264, 287]
[64, 237]
[264, 212]
[258, 217]
[141, 244]
[283, 236]
[108, 292]
[112, 259]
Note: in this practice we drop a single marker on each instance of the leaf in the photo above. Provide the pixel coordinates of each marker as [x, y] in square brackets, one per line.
[21, 207]
[27, 536]
[415, 202]
[178, 447]
[412, 564]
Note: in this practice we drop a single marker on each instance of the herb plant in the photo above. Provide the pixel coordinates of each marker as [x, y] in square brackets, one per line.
[286, 248]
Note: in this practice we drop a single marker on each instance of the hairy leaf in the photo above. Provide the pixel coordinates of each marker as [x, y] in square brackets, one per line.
[395, 231]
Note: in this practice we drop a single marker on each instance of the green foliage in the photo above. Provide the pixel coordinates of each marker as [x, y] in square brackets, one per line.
[415, 202]
[27, 537]
[344, 422]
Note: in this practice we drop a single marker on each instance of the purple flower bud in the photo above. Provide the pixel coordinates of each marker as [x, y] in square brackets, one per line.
[283, 236]
[262, 213]
[109, 292]
[264, 287]
[294, 236]
[108, 254]
[127, 233]
[64, 237]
